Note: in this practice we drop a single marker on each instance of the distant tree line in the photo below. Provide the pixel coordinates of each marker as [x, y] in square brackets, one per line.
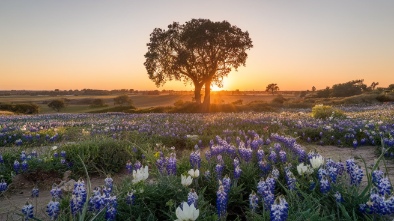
[348, 89]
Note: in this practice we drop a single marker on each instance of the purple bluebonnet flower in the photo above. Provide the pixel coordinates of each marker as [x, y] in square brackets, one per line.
[56, 192]
[107, 191]
[130, 198]
[25, 166]
[312, 185]
[96, 201]
[333, 173]
[265, 167]
[265, 189]
[355, 143]
[324, 185]
[108, 182]
[53, 209]
[171, 164]
[27, 211]
[354, 171]
[34, 153]
[338, 197]
[290, 179]
[192, 198]
[35, 192]
[3, 186]
[16, 166]
[62, 160]
[1, 159]
[321, 173]
[254, 145]
[236, 162]
[279, 209]
[18, 142]
[277, 147]
[78, 198]
[112, 204]
[219, 170]
[377, 175]
[282, 156]
[161, 164]
[63, 154]
[55, 155]
[272, 157]
[253, 201]
[260, 155]
[226, 182]
[23, 156]
[221, 202]
[195, 159]
[245, 153]
[208, 155]
[237, 172]
[275, 173]
[384, 186]
[137, 165]
[129, 167]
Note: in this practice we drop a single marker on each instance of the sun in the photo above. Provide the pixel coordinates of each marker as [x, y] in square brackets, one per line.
[216, 88]
[226, 84]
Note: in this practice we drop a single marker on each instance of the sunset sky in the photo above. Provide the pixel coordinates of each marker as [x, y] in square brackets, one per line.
[100, 44]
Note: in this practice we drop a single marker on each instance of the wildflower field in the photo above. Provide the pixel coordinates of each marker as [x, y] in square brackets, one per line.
[222, 166]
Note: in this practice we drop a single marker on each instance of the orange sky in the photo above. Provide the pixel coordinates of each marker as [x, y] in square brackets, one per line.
[101, 44]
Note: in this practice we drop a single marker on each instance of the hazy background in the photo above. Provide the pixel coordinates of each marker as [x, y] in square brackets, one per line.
[100, 44]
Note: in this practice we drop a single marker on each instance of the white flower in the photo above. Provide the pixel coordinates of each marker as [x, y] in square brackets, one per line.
[186, 181]
[54, 147]
[317, 161]
[194, 173]
[302, 168]
[141, 174]
[187, 212]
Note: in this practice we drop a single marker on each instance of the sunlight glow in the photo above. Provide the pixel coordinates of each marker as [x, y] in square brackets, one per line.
[226, 85]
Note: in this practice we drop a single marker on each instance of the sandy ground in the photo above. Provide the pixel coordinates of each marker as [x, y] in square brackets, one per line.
[14, 199]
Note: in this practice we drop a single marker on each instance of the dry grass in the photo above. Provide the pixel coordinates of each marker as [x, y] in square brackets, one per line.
[2, 113]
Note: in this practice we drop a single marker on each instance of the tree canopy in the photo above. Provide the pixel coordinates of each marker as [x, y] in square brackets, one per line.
[57, 105]
[199, 52]
[122, 99]
[272, 87]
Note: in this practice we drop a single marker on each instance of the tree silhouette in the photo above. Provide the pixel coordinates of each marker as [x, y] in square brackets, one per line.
[272, 87]
[122, 99]
[313, 88]
[199, 52]
[57, 105]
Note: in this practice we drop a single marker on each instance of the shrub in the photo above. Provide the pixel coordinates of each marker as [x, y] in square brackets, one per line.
[57, 105]
[278, 100]
[97, 103]
[21, 108]
[237, 102]
[178, 103]
[122, 99]
[385, 98]
[104, 155]
[325, 111]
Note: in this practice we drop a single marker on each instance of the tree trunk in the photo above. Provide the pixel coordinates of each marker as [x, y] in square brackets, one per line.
[207, 97]
[197, 93]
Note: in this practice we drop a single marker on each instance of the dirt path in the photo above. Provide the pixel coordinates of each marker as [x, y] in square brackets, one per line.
[14, 199]
[368, 153]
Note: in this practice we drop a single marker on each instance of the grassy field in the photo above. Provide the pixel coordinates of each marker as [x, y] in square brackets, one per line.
[80, 104]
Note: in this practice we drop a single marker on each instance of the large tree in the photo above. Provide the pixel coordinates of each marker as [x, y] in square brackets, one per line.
[200, 52]
[272, 87]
